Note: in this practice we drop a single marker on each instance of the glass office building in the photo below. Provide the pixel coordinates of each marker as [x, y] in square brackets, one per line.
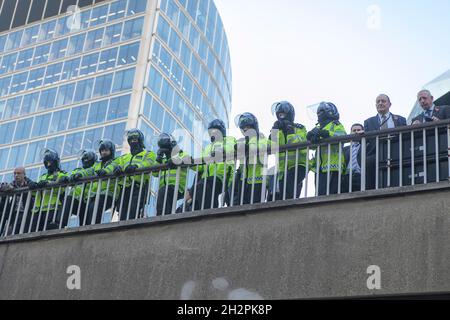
[440, 89]
[74, 72]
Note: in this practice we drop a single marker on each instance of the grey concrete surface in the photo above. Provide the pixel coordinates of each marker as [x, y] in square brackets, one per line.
[312, 249]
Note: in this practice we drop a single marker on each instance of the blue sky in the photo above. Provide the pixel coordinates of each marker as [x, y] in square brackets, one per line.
[347, 52]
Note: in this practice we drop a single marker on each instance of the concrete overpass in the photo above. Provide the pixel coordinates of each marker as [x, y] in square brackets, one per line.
[309, 248]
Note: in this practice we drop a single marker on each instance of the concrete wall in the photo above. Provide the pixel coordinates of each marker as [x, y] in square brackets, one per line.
[305, 249]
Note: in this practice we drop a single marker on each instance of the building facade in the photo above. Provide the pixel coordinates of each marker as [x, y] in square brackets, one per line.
[81, 71]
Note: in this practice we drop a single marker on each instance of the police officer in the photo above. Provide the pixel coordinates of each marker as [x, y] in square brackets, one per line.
[76, 201]
[286, 132]
[328, 126]
[215, 176]
[46, 201]
[109, 190]
[170, 154]
[129, 205]
[252, 153]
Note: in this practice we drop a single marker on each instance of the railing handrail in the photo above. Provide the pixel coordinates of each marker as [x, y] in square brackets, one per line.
[200, 161]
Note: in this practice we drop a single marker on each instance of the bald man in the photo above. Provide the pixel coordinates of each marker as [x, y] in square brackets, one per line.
[14, 222]
[384, 120]
[431, 112]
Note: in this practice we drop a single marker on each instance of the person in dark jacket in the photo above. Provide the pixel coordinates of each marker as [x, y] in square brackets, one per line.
[353, 160]
[15, 207]
[384, 120]
[431, 112]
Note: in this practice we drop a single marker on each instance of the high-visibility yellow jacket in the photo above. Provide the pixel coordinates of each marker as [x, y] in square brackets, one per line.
[252, 166]
[46, 199]
[299, 136]
[143, 160]
[335, 129]
[169, 177]
[215, 155]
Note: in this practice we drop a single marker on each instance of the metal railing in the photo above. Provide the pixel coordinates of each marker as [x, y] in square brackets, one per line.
[385, 159]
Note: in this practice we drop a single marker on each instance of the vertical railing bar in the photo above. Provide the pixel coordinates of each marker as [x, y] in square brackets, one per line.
[318, 167]
[48, 209]
[425, 164]
[438, 164]
[96, 202]
[137, 216]
[413, 160]
[177, 189]
[307, 172]
[233, 186]
[149, 192]
[122, 197]
[350, 177]
[63, 210]
[56, 206]
[205, 179]
[8, 221]
[275, 181]
[401, 159]
[377, 163]
[157, 191]
[25, 213]
[133, 182]
[17, 214]
[244, 180]
[296, 174]
[194, 196]
[264, 181]
[329, 169]
[363, 164]
[340, 168]
[167, 190]
[224, 182]
[44, 193]
[183, 210]
[86, 210]
[213, 198]
[4, 211]
[105, 200]
[286, 158]
[389, 161]
[253, 179]
[448, 145]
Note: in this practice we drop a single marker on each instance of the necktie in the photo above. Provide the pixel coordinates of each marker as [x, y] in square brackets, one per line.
[384, 121]
[428, 114]
[355, 164]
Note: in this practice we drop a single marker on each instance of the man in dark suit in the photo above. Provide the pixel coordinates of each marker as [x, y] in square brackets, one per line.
[352, 156]
[431, 112]
[382, 121]
[385, 119]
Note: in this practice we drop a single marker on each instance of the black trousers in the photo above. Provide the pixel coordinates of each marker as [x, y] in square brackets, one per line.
[334, 183]
[356, 183]
[160, 210]
[68, 211]
[38, 221]
[103, 201]
[208, 188]
[290, 184]
[247, 196]
[132, 203]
